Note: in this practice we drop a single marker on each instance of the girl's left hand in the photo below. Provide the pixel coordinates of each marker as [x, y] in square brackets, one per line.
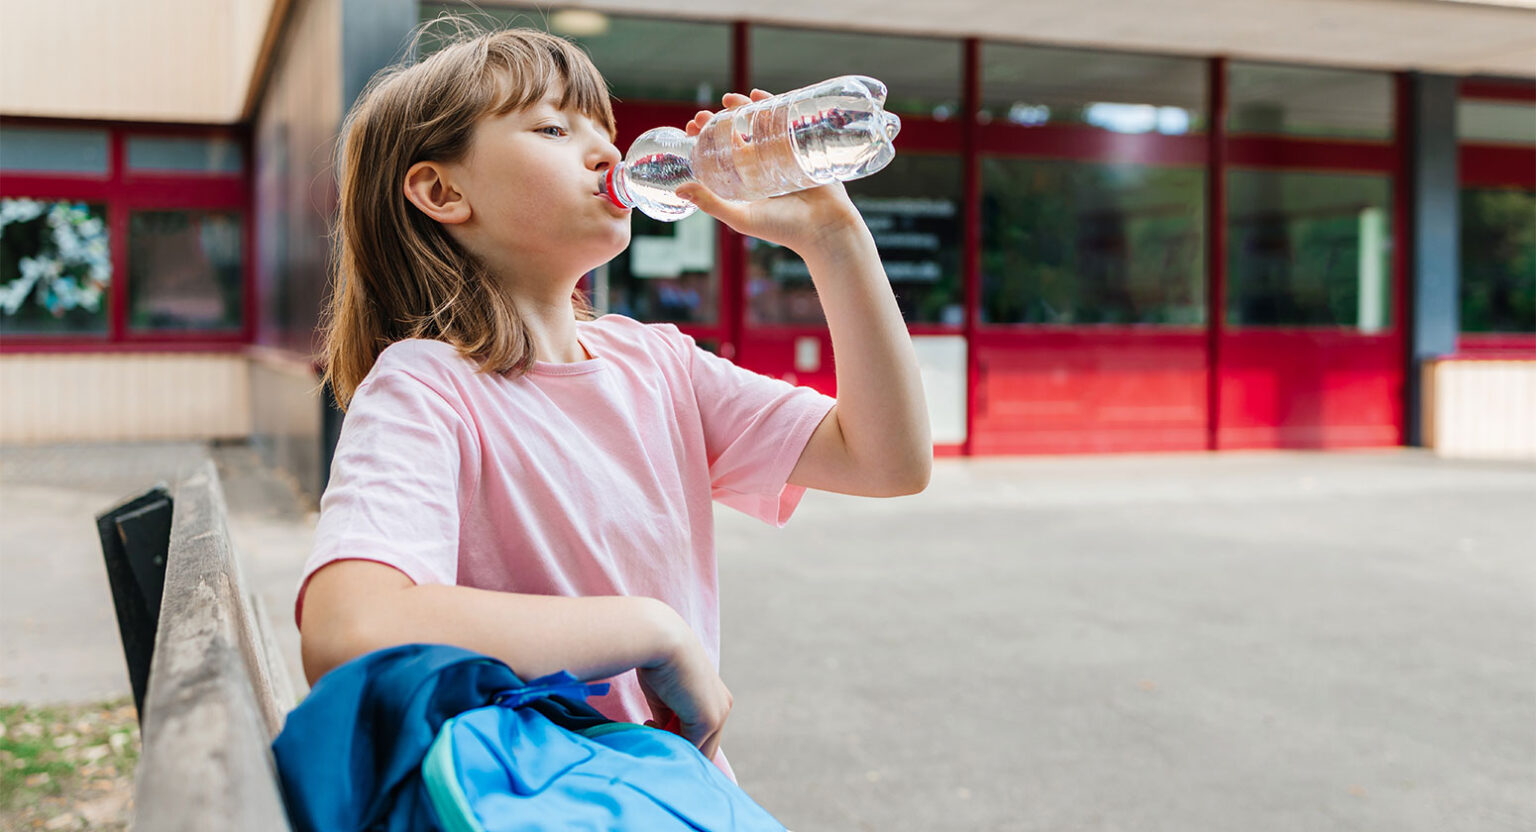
[798, 221]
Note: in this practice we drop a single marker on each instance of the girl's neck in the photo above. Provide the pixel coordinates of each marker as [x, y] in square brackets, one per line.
[552, 327]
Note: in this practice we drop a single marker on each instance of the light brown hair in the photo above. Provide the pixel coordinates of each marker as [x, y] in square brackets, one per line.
[397, 273]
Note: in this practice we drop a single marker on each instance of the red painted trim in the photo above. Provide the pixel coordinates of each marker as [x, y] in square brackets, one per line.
[117, 223]
[1500, 90]
[926, 135]
[250, 274]
[997, 336]
[734, 245]
[1311, 154]
[970, 262]
[1216, 247]
[1082, 389]
[948, 450]
[636, 118]
[1090, 144]
[1492, 346]
[1496, 165]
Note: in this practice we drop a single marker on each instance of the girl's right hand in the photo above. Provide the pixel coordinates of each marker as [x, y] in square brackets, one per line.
[683, 687]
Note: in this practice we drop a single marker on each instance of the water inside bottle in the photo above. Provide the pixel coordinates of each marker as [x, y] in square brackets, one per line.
[765, 149]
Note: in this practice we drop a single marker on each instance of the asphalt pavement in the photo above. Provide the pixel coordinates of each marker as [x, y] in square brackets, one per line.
[1253, 642]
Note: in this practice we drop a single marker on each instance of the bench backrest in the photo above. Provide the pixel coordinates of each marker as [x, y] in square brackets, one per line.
[218, 691]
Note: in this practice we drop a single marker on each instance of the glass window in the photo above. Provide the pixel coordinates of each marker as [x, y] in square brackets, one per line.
[668, 273]
[1271, 100]
[55, 266]
[913, 210]
[53, 150]
[1076, 243]
[921, 75]
[1498, 260]
[184, 270]
[184, 154]
[1309, 249]
[643, 59]
[1125, 93]
[1496, 122]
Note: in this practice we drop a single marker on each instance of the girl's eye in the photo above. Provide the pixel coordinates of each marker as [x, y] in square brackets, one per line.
[558, 131]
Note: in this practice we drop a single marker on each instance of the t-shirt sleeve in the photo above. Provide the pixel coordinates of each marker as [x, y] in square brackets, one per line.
[755, 428]
[396, 481]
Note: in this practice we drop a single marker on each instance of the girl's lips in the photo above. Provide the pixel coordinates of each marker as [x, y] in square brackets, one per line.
[612, 206]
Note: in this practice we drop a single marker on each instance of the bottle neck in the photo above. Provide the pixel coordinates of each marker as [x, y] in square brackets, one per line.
[615, 188]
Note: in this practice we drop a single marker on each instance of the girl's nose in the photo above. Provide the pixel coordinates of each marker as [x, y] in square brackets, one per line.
[605, 156]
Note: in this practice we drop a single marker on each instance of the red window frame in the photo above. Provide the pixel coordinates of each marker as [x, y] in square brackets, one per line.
[1490, 165]
[124, 191]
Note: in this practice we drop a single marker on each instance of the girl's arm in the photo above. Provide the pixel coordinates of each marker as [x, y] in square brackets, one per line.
[353, 607]
[876, 441]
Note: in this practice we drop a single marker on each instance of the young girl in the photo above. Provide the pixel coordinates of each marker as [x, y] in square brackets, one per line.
[519, 479]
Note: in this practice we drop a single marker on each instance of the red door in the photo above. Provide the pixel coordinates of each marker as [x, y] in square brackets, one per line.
[1310, 351]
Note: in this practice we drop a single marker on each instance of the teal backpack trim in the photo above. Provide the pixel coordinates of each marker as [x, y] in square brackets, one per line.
[447, 798]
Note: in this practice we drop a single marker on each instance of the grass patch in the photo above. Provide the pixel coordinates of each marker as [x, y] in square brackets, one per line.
[69, 759]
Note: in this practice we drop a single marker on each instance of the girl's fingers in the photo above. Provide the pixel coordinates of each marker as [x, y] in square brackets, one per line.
[710, 745]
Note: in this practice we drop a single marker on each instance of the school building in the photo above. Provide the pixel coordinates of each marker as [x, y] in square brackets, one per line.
[1112, 226]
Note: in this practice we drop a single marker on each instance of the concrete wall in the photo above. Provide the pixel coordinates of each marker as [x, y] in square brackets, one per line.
[77, 397]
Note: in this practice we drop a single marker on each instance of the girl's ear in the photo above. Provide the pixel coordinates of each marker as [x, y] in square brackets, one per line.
[427, 186]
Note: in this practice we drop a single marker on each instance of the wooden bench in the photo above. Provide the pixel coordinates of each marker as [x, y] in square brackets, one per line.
[210, 684]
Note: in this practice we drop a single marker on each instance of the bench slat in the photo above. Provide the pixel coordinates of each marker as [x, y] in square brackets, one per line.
[211, 707]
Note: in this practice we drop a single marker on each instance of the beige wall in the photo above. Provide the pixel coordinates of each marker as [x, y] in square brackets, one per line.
[193, 60]
[1457, 37]
[1481, 409]
[150, 60]
[78, 397]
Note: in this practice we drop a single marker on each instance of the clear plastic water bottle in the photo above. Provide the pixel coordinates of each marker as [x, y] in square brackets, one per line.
[834, 130]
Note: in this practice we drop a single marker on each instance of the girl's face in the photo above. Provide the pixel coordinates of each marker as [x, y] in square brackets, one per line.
[531, 178]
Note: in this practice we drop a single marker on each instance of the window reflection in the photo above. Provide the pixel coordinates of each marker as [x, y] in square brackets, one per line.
[1074, 243]
[1123, 93]
[1496, 122]
[668, 273]
[184, 270]
[1272, 100]
[1498, 260]
[1308, 249]
[912, 208]
[53, 150]
[921, 74]
[55, 267]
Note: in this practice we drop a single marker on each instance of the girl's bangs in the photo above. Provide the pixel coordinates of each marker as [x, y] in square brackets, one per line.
[526, 79]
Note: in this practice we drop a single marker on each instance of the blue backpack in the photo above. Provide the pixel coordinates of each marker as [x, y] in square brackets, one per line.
[432, 737]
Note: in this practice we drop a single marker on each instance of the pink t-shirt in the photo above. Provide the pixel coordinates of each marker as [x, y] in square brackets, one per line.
[583, 479]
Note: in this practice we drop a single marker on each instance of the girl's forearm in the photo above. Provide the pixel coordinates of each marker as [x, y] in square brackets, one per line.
[593, 638]
[880, 404]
